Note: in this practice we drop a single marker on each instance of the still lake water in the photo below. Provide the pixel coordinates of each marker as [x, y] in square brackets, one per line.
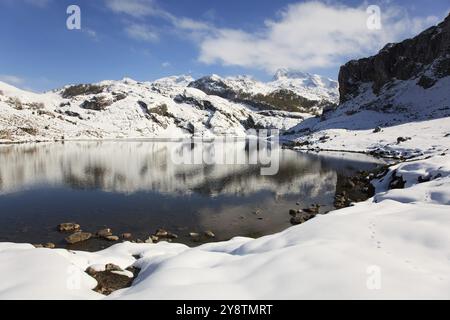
[135, 187]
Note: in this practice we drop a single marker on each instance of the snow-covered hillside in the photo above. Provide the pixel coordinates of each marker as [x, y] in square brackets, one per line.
[168, 107]
[310, 86]
[289, 90]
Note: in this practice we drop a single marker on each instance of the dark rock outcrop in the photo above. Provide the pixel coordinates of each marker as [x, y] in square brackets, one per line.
[425, 57]
[78, 237]
[81, 89]
[97, 103]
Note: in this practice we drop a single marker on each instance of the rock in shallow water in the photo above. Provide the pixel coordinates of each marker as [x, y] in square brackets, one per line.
[68, 226]
[104, 233]
[161, 233]
[112, 238]
[126, 236]
[209, 234]
[78, 237]
[302, 217]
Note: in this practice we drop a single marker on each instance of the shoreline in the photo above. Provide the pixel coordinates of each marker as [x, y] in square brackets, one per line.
[350, 190]
[373, 211]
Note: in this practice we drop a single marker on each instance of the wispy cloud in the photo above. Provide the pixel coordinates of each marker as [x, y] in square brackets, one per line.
[134, 8]
[11, 79]
[141, 32]
[165, 64]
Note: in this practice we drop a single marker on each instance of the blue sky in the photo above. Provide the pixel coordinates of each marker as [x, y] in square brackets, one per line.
[149, 39]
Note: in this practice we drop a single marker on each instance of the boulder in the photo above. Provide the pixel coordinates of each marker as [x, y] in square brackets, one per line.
[104, 233]
[112, 267]
[126, 236]
[301, 218]
[78, 237]
[209, 234]
[97, 103]
[68, 226]
[161, 233]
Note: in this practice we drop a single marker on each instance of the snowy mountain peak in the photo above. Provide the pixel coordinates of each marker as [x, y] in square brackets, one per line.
[128, 80]
[304, 79]
[304, 85]
[290, 74]
[179, 80]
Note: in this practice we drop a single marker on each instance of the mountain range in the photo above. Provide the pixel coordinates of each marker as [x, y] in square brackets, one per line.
[169, 107]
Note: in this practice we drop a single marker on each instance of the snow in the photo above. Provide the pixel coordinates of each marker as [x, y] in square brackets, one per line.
[393, 246]
[310, 86]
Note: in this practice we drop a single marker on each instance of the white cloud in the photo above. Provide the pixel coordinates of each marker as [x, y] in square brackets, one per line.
[309, 35]
[141, 32]
[165, 64]
[12, 80]
[135, 8]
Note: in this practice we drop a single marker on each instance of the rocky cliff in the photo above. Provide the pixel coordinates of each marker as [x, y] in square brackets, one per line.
[424, 59]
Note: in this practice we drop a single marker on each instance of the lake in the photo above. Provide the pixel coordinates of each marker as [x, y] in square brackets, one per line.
[136, 187]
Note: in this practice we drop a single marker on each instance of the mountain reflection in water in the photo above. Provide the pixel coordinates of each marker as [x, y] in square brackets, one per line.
[136, 187]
